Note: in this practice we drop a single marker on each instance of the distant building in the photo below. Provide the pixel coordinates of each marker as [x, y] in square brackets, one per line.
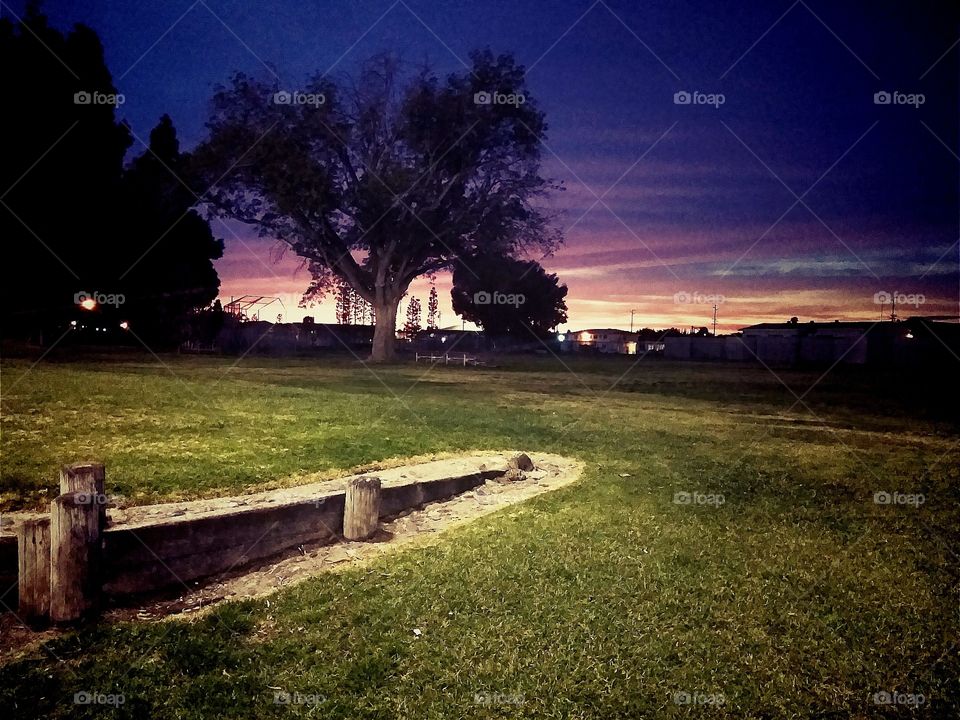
[916, 341]
[811, 343]
[601, 340]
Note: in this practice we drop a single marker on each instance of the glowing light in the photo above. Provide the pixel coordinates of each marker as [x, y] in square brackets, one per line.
[88, 304]
[584, 337]
[909, 335]
[561, 337]
[124, 325]
[73, 323]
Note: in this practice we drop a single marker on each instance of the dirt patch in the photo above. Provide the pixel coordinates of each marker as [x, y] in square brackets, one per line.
[412, 527]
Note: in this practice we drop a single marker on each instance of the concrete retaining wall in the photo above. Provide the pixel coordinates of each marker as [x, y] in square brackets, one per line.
[155, 553]
[173, 552]
[170, 553]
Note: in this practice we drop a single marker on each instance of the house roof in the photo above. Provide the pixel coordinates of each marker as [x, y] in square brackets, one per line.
[852, 324]
[594, 331]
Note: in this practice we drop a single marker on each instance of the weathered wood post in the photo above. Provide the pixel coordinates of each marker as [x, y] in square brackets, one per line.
[361, 510]
[74, 556]
[33, 570]
[86, 478]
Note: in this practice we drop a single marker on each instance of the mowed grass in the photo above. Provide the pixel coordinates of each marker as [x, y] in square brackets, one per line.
[798, 596]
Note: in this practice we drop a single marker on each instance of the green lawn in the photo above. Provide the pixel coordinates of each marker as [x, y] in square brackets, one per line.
[798, 596]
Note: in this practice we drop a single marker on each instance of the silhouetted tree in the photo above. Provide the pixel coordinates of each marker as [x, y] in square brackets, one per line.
[168, 248]
[78, 220]
[414, 313]
[509, 297]
[204, 325]
[433, 309]
[386, 178]
[61, 169]
[344, 307]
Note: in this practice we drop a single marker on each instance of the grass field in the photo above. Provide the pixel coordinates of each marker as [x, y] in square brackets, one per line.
[796, 596]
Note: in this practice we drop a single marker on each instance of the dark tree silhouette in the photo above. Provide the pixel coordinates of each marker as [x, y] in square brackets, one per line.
[433, 309]
[505, 296]
[414, 317]
[384, 179]
[78, 221]
[168, 247]
[61, 170]
[344, 306]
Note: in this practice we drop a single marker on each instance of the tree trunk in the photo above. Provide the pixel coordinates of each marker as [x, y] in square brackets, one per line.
[385, 331]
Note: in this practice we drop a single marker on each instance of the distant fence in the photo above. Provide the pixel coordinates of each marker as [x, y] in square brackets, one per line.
[692, 347]
[66, 563]
[450, 359]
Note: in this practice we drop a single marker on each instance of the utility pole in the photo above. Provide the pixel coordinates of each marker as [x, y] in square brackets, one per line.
[631, 320]
[714, 320]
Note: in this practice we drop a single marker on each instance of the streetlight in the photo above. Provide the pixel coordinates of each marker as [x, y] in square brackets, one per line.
[631, 319]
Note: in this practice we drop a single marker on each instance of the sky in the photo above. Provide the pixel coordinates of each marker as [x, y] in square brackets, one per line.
[785, 187]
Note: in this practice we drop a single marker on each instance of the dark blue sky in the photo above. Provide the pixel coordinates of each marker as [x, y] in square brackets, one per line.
[708, 207]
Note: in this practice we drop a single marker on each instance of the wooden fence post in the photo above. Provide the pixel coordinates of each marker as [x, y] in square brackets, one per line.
[361, 511]
[33, 570]
[86, 478]
[74, 556]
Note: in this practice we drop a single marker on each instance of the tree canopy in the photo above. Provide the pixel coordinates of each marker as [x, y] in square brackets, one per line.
[167, 269]
[79, 220]
[506, 296]
[382, 179]
[61, 170]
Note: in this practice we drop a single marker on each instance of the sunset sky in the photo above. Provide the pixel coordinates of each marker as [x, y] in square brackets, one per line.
[798, 195]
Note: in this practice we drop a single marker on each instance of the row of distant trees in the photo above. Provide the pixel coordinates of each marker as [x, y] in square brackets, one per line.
[542, 308]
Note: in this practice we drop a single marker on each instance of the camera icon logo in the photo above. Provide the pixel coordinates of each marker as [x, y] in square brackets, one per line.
[682, 498]
[82, 98]
[882, 498]
[882, 298]
[282, 98]
[682, 98]
[882, 98]
[82, 698]
[281, 697]
[481, 298]
[482, 98]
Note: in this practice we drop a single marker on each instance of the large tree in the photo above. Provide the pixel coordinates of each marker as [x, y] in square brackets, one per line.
[509, 297]
[168, 248]
[61, 170]
[77, 219]
[386, 178]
